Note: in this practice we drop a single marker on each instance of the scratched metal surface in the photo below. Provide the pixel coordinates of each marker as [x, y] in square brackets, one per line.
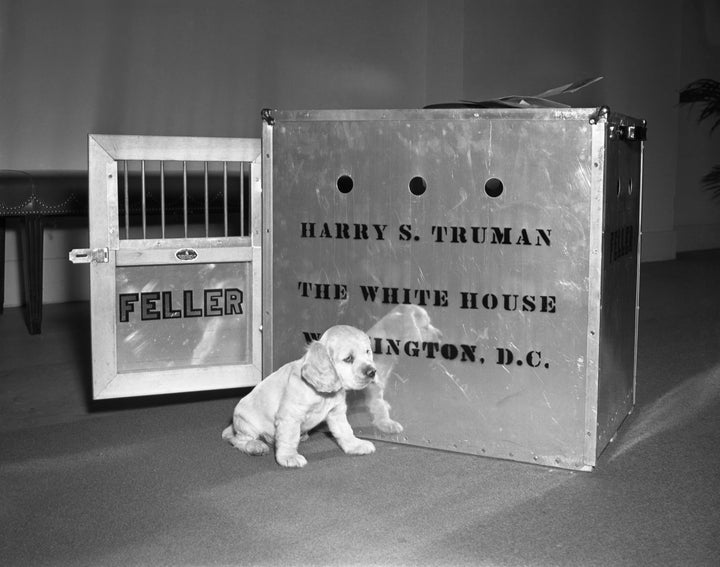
[451, 385]
[616, 387]
[183, 340]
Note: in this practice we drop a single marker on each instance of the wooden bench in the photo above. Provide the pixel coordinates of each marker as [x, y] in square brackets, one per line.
[32, 197]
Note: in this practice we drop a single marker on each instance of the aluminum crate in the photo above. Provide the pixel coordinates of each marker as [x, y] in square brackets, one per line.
[492, 255]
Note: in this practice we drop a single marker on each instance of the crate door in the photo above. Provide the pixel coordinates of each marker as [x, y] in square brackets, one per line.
[175, 264]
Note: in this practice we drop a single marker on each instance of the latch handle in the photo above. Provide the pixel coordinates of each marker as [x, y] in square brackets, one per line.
[88, 255]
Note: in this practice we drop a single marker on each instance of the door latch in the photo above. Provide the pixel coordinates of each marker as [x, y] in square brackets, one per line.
[88, 255]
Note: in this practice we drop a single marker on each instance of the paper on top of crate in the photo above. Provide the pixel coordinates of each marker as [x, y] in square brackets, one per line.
[541, 100]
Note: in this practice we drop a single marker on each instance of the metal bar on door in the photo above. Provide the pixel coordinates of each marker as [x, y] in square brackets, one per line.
[225, 201]
[162, 199]
[207, 203]
[126, 200]
[143, 203]
[185, 211]
[242, 198]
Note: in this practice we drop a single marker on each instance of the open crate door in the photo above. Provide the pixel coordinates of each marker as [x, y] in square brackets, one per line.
[175, 258]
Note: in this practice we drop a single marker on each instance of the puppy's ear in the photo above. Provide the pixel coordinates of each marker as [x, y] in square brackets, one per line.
[318, 369]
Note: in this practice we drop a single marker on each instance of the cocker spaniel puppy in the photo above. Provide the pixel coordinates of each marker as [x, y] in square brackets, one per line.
[302, 394]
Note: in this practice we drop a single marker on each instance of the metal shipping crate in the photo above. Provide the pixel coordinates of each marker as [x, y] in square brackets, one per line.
[491, 255]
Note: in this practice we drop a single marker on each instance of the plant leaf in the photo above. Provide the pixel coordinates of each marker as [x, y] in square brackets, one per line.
[706, 93]
[711, 181]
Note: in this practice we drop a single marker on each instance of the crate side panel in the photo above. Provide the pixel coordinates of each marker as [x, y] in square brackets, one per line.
[618, 330]
[477, 305]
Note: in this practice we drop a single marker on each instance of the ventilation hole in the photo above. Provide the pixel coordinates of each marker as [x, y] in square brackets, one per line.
[630, 186]
[417, 186]
[494, 187]
[345, 184]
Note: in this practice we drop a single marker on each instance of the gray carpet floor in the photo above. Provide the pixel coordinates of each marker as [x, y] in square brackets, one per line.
[149, 482]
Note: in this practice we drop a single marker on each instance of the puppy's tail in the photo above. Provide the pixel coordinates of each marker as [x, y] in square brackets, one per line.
[228, 433]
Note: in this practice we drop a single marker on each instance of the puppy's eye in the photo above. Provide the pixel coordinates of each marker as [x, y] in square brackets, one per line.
[349, 359]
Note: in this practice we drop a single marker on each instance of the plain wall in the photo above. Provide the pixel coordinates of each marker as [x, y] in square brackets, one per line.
[526, 47]
[697, 213]
[182, 67]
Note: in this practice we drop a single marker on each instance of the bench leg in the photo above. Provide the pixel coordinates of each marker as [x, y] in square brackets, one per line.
[2, 264]
[32, 247]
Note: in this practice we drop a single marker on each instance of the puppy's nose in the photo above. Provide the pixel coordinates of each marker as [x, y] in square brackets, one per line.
[370, 372]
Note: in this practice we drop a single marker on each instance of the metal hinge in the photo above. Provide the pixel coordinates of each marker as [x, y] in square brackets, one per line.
[89, 255]
[601, 115]
[629, 132]
[267, 116]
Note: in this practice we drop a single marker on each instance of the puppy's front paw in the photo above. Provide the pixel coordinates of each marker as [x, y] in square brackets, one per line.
[387, 425]
[359, 447]
[291, 460]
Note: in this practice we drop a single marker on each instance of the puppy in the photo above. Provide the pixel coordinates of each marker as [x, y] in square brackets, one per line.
[406, 322]
[302, 394]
